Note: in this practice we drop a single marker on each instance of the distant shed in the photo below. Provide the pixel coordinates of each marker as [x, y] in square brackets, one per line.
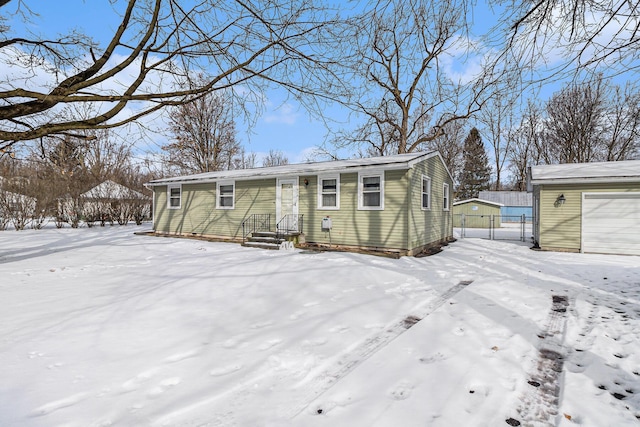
[515, 204]
[477, 213]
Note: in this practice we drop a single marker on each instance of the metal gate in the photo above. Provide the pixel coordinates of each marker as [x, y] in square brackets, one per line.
[494, 227]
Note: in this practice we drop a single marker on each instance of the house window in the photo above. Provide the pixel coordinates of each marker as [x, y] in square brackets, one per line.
[174, 196]
[426, 192]
[226, 195]
[445, 196]
[329, 192]
[371, 191]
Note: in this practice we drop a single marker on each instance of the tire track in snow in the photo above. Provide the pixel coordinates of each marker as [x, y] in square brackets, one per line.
[235, 399]
[540, 404]
[352, 359]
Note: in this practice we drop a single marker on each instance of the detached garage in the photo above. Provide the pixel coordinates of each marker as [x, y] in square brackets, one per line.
[587, 207]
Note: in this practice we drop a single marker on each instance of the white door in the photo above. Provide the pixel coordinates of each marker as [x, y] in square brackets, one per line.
[287, 204]
[611, 223]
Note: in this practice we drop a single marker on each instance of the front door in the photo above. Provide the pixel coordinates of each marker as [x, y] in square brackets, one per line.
[287, 204]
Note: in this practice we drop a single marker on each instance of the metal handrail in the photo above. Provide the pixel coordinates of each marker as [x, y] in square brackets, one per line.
[290, 223]
[255, 222]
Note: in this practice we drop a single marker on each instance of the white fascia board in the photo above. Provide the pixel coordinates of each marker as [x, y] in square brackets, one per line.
[293, 173]
[597, 180]
[488, 202]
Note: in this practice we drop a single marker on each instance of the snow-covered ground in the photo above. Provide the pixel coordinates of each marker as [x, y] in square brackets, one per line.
[100, 327]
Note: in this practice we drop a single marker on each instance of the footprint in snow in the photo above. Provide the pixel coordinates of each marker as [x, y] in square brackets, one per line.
[458, 331]
[58, 404]
[135, 382]
[164, 386]
[182, 356]
[261, 325]
[401, 391]
[271, 343]
[296, 315]
[34, 354]
[314, 343]
[432, 359]
[225, 370]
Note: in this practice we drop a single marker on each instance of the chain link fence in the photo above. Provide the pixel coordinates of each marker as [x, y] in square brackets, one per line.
[494, 227]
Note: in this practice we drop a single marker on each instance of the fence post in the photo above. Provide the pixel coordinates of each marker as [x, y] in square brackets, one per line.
[462, 225]
[491, 225]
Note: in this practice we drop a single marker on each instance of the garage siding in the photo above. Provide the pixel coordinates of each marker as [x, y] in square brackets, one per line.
[560, 226]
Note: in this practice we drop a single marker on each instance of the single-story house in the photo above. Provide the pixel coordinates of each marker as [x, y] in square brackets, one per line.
[109, 201]
[514, 204]
[477, 213]
[398, 203]
[587, 207]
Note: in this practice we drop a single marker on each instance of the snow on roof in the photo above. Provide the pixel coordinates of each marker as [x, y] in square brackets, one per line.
[508, 198]
[112, 190]
[626, 170]
[488, 202]
[398, 161]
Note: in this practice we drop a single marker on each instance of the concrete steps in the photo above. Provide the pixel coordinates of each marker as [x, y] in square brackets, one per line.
[264, 240]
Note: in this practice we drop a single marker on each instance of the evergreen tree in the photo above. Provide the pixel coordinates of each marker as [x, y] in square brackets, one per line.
[476, 172]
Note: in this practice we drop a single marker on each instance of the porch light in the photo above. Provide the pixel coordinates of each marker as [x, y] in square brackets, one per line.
[306, 182]
[560, 200]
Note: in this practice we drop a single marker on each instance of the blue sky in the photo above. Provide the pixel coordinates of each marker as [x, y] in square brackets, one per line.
[284, 126]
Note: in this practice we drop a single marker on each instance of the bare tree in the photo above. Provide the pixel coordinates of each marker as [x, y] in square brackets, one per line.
[105, 157]
[244, 160]
[603, 33]
[497, 116]
[574, 124]
[450, 145]
[395, 55]
[204, 135]
[275, 158]
[622, 123]
[524, 150]
[150, 60]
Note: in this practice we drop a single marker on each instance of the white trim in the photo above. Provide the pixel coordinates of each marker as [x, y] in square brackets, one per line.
[370, 174]
[585, 180]
[153, 209]
[422, 193]
[475, 199]
[446, 190]
[396, 162]
[233, 194]
[279, 182]
[582, 222]
[169, 187]
[320, 193]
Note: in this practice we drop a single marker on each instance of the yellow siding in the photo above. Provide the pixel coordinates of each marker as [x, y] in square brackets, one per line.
[434, 225]
[388, 228]
[198, 213]
[560, 225]
[353, 227]
[479, 218]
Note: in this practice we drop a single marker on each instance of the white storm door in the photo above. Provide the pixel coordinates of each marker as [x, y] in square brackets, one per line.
[611, 223]
[287, 203]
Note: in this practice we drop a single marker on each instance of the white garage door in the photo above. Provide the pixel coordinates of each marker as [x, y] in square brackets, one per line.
[611, 223]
